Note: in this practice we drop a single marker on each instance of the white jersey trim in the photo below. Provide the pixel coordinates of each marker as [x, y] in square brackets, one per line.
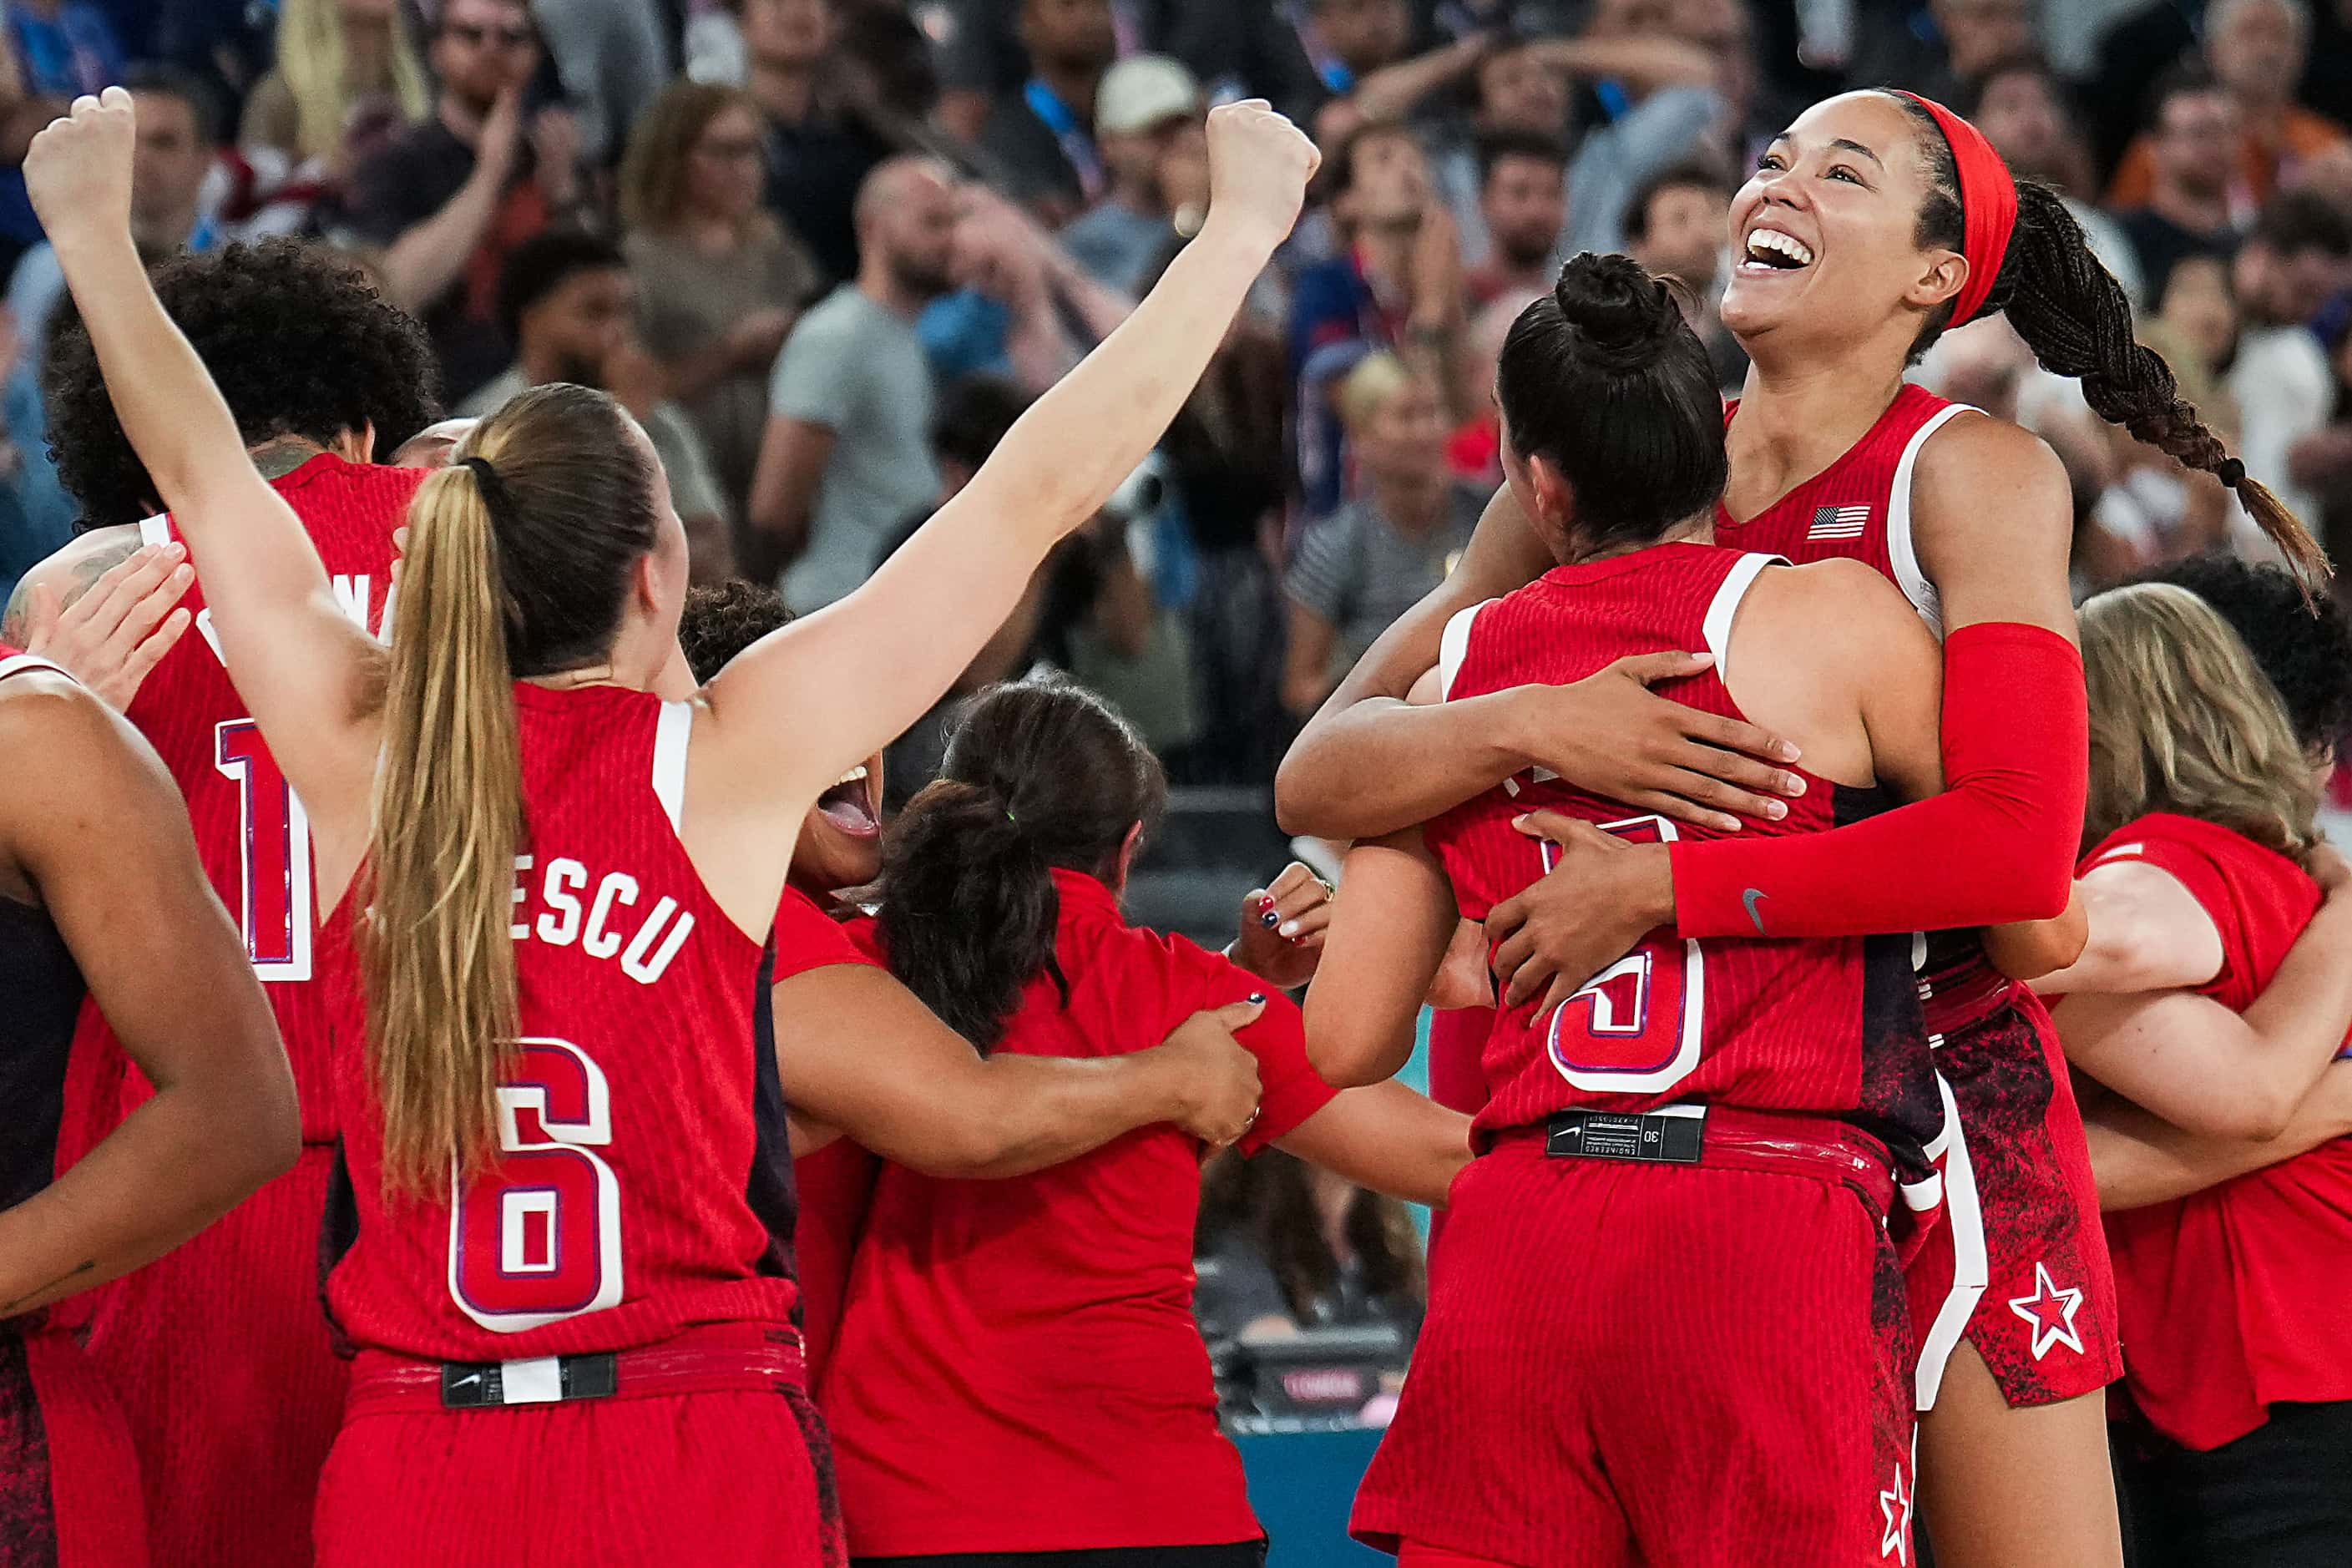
[1725, 606]
[23, 663]
[1964, 1214]
[1901, 552]
[156, 529]
[671, 733]
[1454, 645]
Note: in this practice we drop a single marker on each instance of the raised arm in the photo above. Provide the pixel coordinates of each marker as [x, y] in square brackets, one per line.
[859, 1053]
[844, 682]
[1367, 764]
[303, 667]
[99, 832]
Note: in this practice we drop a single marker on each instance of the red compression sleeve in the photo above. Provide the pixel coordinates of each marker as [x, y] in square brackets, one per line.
[1998, 846]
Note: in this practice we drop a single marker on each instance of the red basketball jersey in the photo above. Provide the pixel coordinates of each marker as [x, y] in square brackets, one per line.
[250, 828]
[1823, 1025]
[633, 1134]
[1860, 508]
[2231, 1299]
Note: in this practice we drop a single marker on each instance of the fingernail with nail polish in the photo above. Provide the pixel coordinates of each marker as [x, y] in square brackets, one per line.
[1290, 928]
[1257, 997]
[1269, 919]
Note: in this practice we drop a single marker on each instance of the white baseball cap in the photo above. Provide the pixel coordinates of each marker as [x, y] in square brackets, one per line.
[1144, 90]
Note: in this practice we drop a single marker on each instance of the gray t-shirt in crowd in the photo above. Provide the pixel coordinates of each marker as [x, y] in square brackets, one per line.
[857, 369]
[1360, 572]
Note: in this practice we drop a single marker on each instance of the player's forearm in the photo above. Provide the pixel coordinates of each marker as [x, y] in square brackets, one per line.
[1380, 765]
[176, 1164]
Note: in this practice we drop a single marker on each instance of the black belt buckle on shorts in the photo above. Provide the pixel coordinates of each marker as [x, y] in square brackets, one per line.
[542, 1380]
[1673, 1136]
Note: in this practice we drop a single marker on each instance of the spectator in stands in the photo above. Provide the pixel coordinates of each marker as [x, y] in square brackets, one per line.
[1674, 110]
[2021, 106]
[1147, 103]
[341, 64]
[1364, 51]
[1676, 227]
[720, 281]
[1520, 90]
[447, 199]
[1942, 48]
[819, 155]
[2255, 49]
[1043, 134]
[1366, 564]
[174, 154]
[566, 301]
[2191, 132]
[1284, 1245]
[1396, 285]
[847, 449]
[65, 47]
[1522, 207]
[1015, 292]
[614, 57]
[2296, 257]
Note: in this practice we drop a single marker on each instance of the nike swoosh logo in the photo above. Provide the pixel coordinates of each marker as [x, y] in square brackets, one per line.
[1751, 898]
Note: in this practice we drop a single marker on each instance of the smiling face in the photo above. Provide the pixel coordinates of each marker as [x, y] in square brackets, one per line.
[1825, 234]
[840, 845]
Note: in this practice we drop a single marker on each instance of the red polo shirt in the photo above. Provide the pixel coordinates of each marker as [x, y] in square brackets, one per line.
[2233, 1299]
[1018, 1368]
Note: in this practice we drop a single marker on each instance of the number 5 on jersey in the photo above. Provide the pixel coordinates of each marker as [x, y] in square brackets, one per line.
[539, 1238]
[1634, 1027]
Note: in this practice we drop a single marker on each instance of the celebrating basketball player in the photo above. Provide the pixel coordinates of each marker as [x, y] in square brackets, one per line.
[1789, 1076]
[101, 894]
[567, 879]
[232, 1426]
[1872, 223]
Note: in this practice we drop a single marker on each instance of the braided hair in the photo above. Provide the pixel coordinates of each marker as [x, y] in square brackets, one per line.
[2077, 320]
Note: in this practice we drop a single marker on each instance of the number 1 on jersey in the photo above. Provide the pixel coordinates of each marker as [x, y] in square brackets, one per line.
[273, 850]
[1636, 1027]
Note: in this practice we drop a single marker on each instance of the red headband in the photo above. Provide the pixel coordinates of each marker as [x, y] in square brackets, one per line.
[1987, 205]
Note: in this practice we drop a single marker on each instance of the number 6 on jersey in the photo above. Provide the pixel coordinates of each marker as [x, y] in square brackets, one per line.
[539, 1239]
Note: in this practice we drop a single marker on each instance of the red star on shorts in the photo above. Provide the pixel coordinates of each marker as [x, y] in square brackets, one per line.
[1896, 1505]
[2051, 1311]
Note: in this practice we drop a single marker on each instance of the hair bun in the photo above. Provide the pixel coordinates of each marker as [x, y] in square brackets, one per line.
[1623, 314]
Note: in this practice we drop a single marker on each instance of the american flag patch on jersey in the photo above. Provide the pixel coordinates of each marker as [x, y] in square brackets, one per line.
[1839, 523]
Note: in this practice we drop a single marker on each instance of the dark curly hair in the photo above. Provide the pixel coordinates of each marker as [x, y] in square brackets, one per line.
[722, 619]
[2077, 320]
[2305, 648]
[296, 339]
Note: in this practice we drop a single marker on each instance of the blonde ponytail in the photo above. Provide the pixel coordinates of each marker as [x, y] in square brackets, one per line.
[439, 958]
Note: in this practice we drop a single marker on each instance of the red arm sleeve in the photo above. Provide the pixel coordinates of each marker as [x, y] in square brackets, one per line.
[1996, 846]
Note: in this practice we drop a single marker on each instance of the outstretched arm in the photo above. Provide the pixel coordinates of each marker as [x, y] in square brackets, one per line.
[99, 833]
[844, 682]
[304, 668]
[1367, 764]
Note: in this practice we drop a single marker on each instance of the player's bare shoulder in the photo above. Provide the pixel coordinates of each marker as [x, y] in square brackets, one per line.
[1978, 473]
[71, 570]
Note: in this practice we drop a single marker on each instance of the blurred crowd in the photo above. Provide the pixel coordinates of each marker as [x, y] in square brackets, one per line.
[826, 249]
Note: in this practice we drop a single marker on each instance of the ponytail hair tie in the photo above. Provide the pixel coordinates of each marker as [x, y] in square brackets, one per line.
[1010, 817]
[2231, 472]
[493, 484]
